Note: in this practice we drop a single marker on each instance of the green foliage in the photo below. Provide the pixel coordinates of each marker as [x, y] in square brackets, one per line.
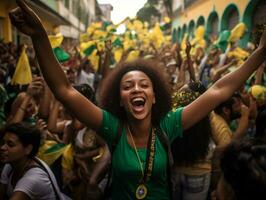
[146, 13]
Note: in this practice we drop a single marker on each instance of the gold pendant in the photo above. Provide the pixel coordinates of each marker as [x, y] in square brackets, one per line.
[141, 192]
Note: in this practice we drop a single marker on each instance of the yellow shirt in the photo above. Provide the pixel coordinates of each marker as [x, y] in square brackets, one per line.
[221, 135]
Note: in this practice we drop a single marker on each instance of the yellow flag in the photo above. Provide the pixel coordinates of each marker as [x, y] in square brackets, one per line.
[50, 157]
[184, 41]
[238, 53]
[166, 19]
[133, 55]
[56, 40]
[22, 73]
[118, 54]
[258, 92]
[67, 159]
[237, 32]
[199, 40]
[94, 59]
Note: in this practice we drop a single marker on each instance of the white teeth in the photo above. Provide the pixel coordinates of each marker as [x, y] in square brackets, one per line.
[137, 99]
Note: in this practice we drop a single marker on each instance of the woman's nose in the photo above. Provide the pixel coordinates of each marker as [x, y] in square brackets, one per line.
[3, 147]
[136, 87]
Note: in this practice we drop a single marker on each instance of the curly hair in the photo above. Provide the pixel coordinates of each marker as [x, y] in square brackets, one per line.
[27, 134]
[243, 165]
[194, 145]
[110, 92]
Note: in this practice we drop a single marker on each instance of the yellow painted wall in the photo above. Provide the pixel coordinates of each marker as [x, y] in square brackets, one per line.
[5, 7]
[205, 7]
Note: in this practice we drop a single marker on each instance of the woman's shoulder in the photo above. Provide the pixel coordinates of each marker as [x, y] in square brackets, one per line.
[109, 121]
[36, 184]
[171, 124]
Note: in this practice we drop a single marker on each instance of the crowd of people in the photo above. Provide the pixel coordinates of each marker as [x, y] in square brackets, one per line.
[181, 123]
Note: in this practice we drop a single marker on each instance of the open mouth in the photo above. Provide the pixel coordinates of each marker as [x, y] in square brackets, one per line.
[138, 102]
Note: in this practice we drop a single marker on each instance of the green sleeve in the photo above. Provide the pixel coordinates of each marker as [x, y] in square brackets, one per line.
[171, 124]
[109, 126]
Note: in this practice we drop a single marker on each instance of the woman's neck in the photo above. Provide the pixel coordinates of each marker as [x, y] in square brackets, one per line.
[140, 128]
[140, 131]
[20, 165]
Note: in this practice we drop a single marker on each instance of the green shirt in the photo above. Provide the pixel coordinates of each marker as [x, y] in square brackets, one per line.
[126, 167]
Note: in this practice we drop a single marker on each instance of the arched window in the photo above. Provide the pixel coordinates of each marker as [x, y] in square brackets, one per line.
[212, 24]
[230, 17]
[201, 21]
[184, 30]
[254, 14]
[179, 34]
[191, 29]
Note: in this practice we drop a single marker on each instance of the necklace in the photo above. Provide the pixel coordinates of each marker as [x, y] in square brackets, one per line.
[142, 191]
[135, 148]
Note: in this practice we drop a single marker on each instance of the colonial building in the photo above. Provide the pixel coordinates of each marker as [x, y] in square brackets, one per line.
[70, 17]
[216, 16]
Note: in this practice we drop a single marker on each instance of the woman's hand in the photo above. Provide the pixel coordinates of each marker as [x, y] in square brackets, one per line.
[36, 87]
[25, 20]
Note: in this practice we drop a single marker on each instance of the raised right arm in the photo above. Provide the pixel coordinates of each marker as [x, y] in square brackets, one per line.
[29, 23]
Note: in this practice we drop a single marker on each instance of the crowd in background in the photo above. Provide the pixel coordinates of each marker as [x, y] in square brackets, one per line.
[76, 154]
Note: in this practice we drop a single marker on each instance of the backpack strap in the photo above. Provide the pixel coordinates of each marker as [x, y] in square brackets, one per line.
[167, 147]
[44, 167]
[118, 136]
[107, 189]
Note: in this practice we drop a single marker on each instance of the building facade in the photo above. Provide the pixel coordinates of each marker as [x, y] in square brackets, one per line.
[50, 19]
[70, 17]
[216, 16]
[80, 13]
[106, 10]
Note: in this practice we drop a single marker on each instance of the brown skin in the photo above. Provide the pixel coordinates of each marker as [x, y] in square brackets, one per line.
[29, 23]
[13, 152]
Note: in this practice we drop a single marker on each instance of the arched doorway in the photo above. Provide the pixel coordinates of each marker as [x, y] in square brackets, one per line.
[174, 35]
[191, 29]
[179, 34]
[230, 17]
[212, 24]
[184, 30]
[255, 13]
[201, 21]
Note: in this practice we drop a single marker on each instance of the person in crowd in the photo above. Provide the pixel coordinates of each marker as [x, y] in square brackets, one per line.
[25, 106]
[192, 153]
[258, 92]
[83, 156]
[22, 176]
[228, 111]
[134, 95]
[243, 171]
[221, 118]
[210, 61]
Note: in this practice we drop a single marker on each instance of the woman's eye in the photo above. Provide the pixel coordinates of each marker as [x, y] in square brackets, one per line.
[10, 144]
[126, 87]
[144, 85]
